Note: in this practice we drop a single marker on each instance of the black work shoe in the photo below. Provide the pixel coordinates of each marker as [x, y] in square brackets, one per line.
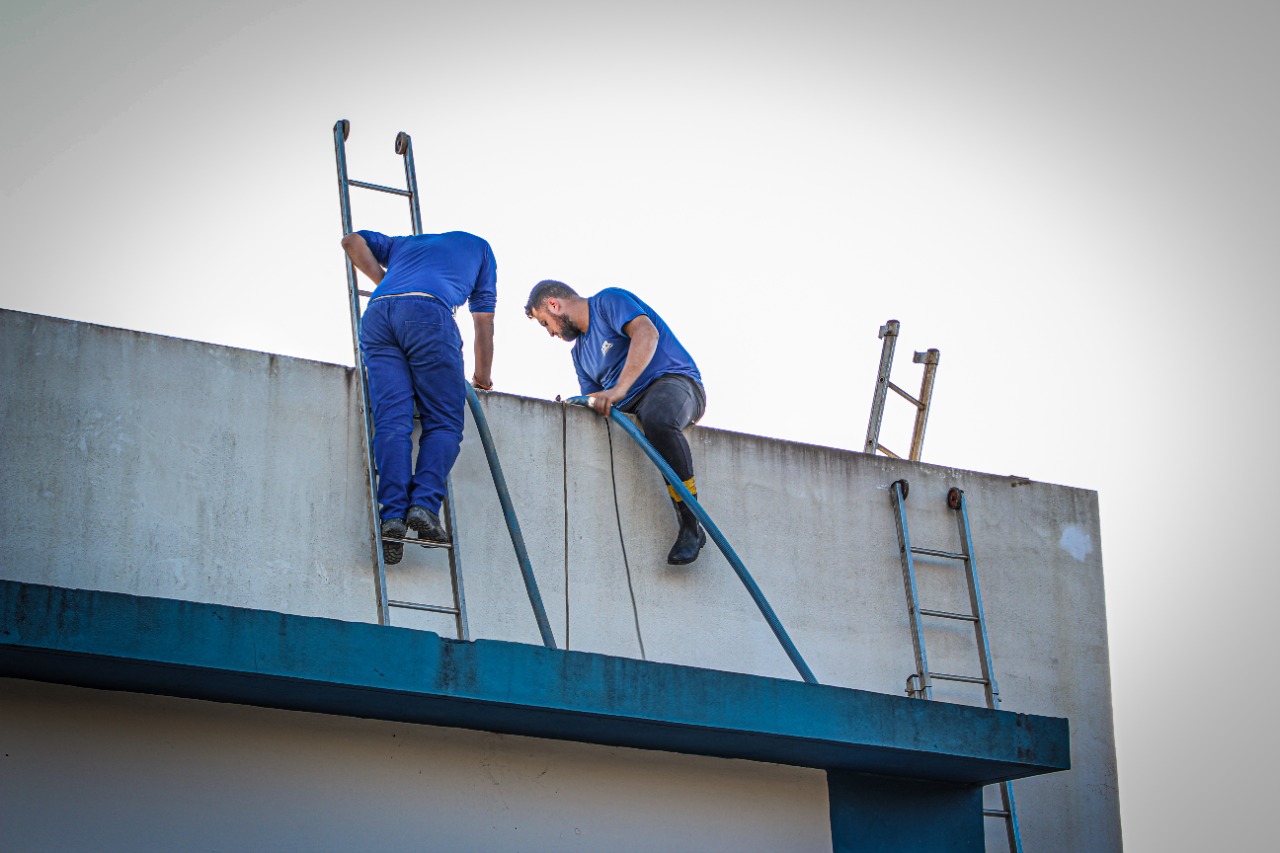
[427, 524]
[689, 540]
[393, 551]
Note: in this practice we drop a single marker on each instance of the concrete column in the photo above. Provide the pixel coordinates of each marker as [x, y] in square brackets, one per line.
[880, 814]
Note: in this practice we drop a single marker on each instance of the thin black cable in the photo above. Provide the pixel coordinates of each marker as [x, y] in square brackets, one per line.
[564, 457]
[617, 513]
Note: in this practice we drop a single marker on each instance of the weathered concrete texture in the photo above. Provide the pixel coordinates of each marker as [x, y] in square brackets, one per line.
[157, 466]
[162, 467]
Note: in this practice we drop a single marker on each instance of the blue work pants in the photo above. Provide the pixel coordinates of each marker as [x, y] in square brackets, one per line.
[413, 354]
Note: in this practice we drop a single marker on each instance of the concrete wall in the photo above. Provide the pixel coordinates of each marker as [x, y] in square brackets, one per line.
[156, 466]
[104, 771]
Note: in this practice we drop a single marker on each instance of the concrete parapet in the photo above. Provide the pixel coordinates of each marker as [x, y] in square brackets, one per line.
[154, 466]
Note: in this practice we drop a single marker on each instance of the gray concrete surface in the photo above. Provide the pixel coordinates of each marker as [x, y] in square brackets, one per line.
[101, 771]
[157, 466]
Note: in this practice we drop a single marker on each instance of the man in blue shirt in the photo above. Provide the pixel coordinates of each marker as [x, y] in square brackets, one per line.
[626, 356]
[412, 352]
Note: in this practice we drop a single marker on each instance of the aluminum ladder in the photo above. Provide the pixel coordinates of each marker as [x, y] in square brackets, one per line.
[458, 610]
[920, 683]
[929, 358]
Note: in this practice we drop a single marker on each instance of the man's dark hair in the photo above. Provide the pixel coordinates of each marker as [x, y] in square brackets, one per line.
[544, 290]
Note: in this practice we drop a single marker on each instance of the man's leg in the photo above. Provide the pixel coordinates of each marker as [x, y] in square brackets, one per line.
[434, 349]
[391, 401]
[669, 405]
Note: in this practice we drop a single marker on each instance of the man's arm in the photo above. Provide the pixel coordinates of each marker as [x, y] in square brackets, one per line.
[362, 256]
[483, 378]
[644, 343]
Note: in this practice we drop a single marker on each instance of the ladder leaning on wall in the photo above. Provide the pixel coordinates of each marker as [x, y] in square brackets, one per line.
[929, 358]
[920, 683]
[458, 609]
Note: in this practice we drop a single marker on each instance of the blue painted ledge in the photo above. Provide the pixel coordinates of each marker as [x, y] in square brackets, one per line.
[273, 660]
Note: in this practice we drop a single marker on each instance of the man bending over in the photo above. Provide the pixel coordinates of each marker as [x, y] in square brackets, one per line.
[413, 354]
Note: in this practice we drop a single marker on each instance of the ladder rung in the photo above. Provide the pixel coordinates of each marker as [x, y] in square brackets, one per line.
[944, 614]
[912, 400]
[424, 543]
[887, 452]
[994, 813]
[380, 188]
[365, 292]
[430, 608]
[931, 552]
[967, 679]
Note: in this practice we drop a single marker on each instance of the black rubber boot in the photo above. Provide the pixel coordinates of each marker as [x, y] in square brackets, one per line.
[393, 551]
[427, 524]
[690, 538]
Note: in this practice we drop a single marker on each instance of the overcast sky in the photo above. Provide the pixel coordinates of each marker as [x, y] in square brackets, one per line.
[1075, 202]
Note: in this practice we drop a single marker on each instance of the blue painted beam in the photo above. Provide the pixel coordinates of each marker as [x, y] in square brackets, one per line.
[258, 657]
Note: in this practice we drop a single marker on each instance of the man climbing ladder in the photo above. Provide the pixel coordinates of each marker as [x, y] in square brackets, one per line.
[413, 354]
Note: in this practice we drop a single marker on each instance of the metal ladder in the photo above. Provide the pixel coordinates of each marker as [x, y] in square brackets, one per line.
[929, 358]
[403, 147]
[920, 683]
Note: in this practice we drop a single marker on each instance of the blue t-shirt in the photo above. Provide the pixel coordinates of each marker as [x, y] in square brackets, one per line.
[600, 354]
[455, 267]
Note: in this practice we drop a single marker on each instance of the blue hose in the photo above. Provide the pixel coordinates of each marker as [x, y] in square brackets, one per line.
[723, 543]
[509, 511]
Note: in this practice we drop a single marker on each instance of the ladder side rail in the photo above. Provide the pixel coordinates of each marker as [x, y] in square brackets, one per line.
[889, 333]
[404, 147]
[975, 600]
[924, 684]
[1012, 830]
[455, 564]
[930, 361]
[716, 535]
[340, 131]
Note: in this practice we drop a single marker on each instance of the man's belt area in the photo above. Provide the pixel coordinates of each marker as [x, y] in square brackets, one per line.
[453, 311]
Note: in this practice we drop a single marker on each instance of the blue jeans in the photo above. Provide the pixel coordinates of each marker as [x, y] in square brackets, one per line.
[413, 354]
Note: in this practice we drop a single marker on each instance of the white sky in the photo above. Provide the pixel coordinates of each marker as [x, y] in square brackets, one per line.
[1075, 202]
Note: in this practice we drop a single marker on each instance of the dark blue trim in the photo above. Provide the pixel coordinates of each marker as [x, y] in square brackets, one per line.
[873, 813]
[258, 657]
